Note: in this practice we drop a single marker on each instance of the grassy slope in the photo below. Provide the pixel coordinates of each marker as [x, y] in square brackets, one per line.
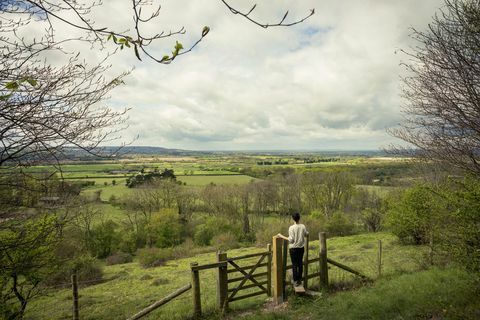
[127, 293]
[430, 294]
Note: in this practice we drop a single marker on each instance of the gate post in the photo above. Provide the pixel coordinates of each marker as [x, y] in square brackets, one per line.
[323, 261]
[277, 270]
[222, 283]
[269, 270]
[197, 304]
[305, 263]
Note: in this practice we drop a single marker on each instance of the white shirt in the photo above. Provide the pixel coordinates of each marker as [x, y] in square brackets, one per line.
[296, 235]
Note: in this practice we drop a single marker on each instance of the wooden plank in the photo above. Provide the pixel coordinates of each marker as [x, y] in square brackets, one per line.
[258, 275]
[247, 296]
[248, 267]
[299, 289]
[313, 260]
[253, 285]
[222, 284]
[209, 266]
[313, 275]
[252, 255]
[161, 302]
[346, 268]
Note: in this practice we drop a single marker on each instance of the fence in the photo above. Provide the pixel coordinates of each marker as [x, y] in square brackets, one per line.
[246, 276]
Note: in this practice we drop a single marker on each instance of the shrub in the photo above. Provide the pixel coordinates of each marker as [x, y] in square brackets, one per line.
[89, 271]
[339, 225]
[203, 235]
[105, 239]
[118, 258]
[213, 226]
[225, 241]
[412, 217]
[266, 231]
[154, 257]
[315, 224]
[166, 229]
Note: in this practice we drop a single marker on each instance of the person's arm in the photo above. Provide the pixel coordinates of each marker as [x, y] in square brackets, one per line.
[282, 236]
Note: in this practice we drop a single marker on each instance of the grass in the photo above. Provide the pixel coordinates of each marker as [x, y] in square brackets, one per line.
[429, 294]
[132, 287]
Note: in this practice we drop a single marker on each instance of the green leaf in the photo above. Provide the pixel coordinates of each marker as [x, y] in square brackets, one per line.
[205, 31]
[109, 37]
[127, 44]
[135, 48]
[165, 58]
[114, 38]
[177, 48]
[31, 81]
[122, 40]
[12, 85]
[5, 97]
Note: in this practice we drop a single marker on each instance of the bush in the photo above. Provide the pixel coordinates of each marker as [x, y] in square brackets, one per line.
[339, 225]
[154, 257]
[165, 229]
[314, 224]
[203, 235]
[412, 217]
[118, 258]
[266, 231]
[88, 269]
[225, 241]
[213, 226]
[104, 239]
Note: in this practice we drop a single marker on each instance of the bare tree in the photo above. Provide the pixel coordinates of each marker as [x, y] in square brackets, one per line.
[443, 89]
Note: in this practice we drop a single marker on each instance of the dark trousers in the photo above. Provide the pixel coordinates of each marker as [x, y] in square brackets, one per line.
[296, 254]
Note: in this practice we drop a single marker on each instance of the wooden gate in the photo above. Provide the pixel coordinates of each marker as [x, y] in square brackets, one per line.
[248, 278]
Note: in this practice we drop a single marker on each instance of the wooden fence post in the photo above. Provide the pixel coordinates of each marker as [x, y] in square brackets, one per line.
[379, 259]
[269, 270]
[323, 261]
[277, 270]
[197, 304]
[284, 267]
[305, 263]
[222, 283]
[76, 315]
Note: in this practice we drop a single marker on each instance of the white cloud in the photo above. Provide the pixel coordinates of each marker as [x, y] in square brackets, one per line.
[331, 82]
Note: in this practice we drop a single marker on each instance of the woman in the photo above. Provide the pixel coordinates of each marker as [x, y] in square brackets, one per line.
[296, 243]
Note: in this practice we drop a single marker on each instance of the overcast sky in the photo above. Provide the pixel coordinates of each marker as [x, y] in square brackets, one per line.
[331, 82]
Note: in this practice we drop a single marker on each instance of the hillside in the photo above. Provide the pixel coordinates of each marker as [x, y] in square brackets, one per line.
[129, 287]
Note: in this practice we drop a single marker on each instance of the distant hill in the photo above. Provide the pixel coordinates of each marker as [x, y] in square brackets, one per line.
[128, 151]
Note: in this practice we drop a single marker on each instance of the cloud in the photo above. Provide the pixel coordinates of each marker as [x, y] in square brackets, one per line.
[331, 82]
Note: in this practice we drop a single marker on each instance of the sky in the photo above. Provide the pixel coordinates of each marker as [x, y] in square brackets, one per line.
[329, 83]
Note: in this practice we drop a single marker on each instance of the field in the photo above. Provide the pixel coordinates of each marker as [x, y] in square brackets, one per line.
[130, 287]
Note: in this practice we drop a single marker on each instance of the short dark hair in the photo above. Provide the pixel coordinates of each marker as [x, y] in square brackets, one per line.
[296, 216]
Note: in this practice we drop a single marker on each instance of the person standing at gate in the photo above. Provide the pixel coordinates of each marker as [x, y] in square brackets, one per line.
[296, 242]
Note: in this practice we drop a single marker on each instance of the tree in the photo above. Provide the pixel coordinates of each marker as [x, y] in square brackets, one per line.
[443, 89]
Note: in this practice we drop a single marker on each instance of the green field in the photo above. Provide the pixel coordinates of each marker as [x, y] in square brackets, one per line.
[130, 287]
[205, 180]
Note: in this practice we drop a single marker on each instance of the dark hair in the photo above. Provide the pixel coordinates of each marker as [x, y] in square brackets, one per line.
[296, 216]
